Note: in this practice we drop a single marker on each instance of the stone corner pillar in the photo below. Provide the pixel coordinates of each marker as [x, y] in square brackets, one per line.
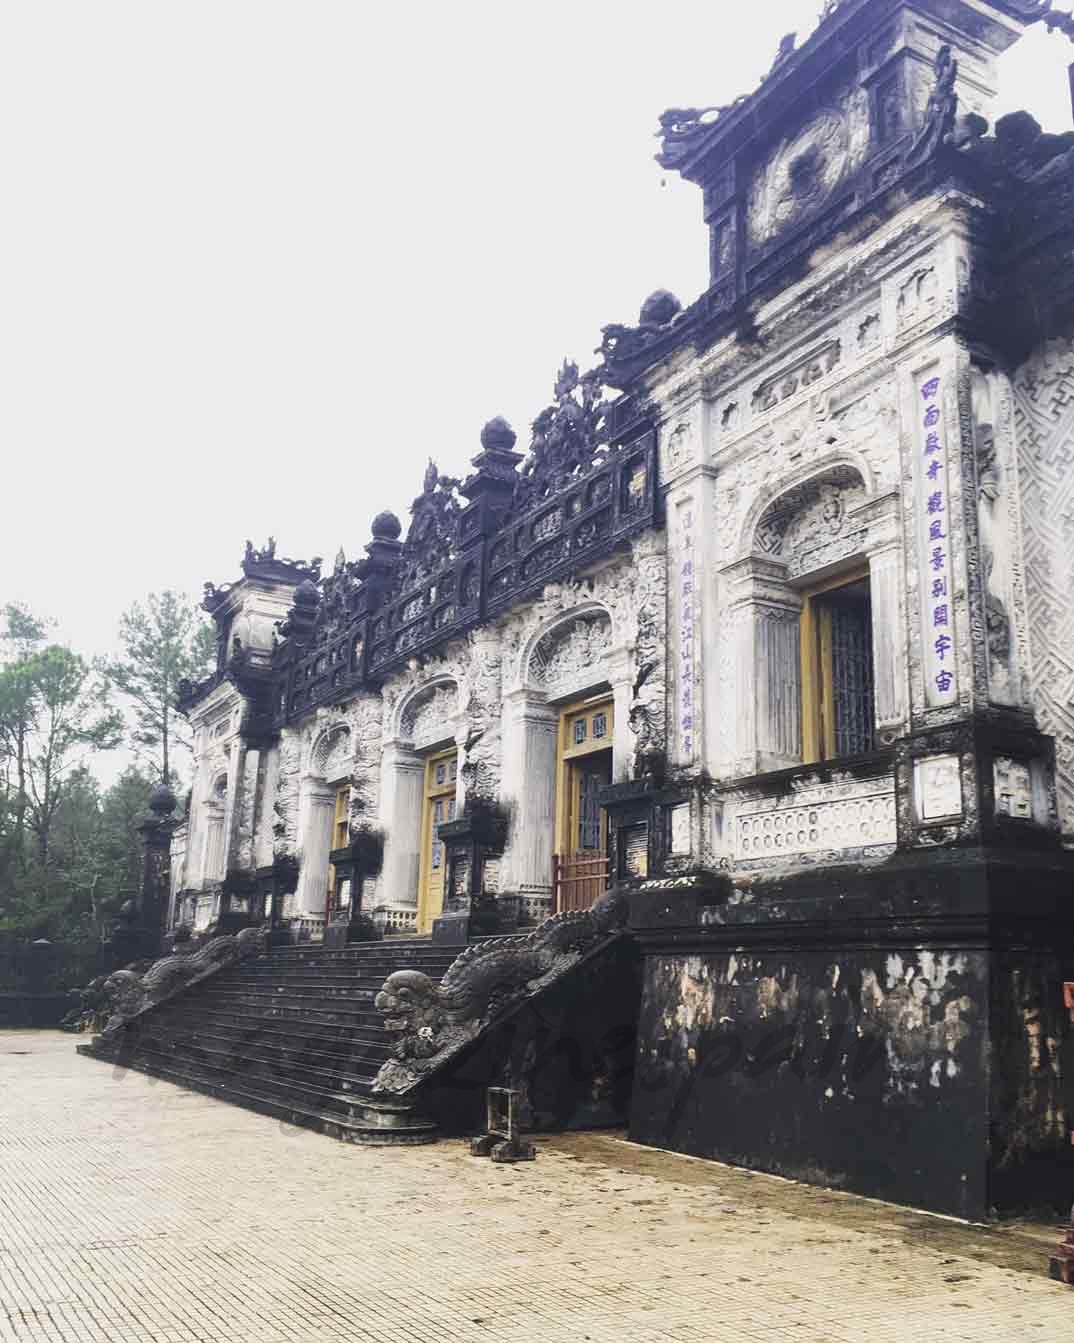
[402, 783]
[156, 831]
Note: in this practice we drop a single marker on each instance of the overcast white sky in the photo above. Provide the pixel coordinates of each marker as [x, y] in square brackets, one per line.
[259, 260]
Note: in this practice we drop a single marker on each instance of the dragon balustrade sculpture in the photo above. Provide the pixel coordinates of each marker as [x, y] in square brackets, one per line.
[129, 993]
[433, 1022]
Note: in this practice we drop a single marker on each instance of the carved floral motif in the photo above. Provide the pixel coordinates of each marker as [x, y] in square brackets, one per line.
[569, 652]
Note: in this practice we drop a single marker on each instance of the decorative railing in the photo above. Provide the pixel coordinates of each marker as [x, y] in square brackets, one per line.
[577, 882]
[587, 517]
[482, 572]
[129, 994]
[434, 1022]
[307, 928]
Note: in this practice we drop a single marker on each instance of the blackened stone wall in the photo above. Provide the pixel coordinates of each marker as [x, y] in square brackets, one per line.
[569, 1050]
[899, 1032]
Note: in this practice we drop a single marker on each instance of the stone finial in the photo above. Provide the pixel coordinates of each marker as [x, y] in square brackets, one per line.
[660, 308]
[306, 593]
[498, 436]
[386, 527]
[162, 801]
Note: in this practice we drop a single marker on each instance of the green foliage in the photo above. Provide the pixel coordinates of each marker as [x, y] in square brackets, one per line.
[71, 719]
[55, 716]
[95, 859]
[164, 640]
[70, 852]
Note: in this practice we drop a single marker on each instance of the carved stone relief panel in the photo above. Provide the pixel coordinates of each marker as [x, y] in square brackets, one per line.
[1013, 788]
[830, 820]
[938, 788]
[1044, 420]
[814, 524]
[804, 172]
[481, 690]
[856, 427]
[332, 753]
[570, 655]
[631, 594]
[995, 488]
[680, 446]
[285, 826]
[802, 374]
[428, 718]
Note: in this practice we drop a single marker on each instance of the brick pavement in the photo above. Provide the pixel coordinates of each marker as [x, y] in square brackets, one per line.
[134, 1212]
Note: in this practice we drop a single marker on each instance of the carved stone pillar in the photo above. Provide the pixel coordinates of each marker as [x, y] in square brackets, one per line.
[402, 777]
[319, 804]
[890, 673]
[620, 663]
[529, 792]
[767, 614]
[156, 832]
[232, 808]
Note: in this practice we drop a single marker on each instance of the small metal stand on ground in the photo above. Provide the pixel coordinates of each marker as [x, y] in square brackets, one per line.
[503, 1142]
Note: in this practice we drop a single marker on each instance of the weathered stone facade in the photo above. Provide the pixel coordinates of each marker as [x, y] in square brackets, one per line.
[875, 398]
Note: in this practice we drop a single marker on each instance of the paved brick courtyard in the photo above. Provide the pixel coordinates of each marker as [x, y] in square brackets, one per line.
[132, 1211]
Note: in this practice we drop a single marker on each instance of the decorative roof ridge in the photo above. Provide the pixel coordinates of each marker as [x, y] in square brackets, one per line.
[687, 138]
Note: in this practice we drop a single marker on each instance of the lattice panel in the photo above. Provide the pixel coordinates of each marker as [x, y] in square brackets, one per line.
[1044, 417]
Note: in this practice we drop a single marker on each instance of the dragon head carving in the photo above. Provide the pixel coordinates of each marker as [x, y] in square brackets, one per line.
[410, 1004]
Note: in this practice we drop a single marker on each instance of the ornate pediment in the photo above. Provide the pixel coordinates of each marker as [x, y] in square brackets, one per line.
[571, 655]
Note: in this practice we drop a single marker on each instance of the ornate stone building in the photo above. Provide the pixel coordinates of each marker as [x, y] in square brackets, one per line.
[770, 629]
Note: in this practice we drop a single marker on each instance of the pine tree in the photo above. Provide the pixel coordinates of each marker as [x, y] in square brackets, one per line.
[164, 640]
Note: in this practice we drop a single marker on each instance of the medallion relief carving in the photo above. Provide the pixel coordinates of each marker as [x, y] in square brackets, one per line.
[805, 171]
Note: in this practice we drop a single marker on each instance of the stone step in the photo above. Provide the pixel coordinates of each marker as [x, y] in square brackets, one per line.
[373, 979]
[261, 983]
[339, 1004]
[372, 952]
[297, 1046]
[317, 1094]
[293, 1023]
[344, 1076]
[294, 1033]
[371, 1129]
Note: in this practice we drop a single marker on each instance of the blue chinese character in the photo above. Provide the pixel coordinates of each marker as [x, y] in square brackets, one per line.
[936, 531]
[935, 503]
[934, 469]
[939, 615]
[932, 416]
[930, 389]
[942, 645]
[944, 681]
[939, 587]
[932, 443]
[687, 721]
[939, 559]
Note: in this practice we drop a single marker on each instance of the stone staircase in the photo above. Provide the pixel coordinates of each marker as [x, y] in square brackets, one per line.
[293, 1034]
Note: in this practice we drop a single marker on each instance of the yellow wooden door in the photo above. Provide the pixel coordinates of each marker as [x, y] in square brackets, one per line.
[441, 778]
[582, 827]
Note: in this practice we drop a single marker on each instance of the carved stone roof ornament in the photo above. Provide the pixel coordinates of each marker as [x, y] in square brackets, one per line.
[569, 437]
[624, 348]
